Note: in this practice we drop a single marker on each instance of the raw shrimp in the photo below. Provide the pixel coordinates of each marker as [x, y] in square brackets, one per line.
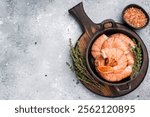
[96, 47]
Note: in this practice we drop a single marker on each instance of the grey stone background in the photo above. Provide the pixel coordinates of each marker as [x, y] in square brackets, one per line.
[34, 39]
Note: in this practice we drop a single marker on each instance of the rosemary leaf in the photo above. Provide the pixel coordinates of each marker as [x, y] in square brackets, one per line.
[79, 67]
[137, 51]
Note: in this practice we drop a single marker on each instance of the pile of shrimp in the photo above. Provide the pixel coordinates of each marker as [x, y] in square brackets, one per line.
[113, 56]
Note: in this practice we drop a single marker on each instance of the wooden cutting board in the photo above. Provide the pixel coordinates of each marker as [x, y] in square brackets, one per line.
[89, 29]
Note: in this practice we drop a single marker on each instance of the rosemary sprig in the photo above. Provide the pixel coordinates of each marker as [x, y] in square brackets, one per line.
[79, 67]
[137, 51]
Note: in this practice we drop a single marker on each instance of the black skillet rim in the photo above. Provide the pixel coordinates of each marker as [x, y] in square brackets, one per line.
[101, 79]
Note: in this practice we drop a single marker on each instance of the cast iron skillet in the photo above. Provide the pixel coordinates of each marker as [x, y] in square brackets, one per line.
[112, 30]
[109, 27]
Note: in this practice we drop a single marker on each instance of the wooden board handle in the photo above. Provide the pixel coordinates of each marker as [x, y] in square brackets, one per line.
[87, 25]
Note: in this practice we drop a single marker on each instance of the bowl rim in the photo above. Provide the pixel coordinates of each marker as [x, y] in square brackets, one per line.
[136, 6]
[99, 78]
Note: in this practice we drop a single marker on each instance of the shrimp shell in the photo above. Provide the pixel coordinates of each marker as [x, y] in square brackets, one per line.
[96, 47]
[114, 51]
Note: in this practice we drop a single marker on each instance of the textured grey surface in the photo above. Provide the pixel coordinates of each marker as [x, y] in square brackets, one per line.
[34, 38]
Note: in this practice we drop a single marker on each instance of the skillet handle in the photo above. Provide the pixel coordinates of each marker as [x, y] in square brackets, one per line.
[122, 90]
[87, 25]
[109, 23]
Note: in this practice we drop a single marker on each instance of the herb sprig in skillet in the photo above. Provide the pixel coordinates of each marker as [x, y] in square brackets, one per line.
[137, 51]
